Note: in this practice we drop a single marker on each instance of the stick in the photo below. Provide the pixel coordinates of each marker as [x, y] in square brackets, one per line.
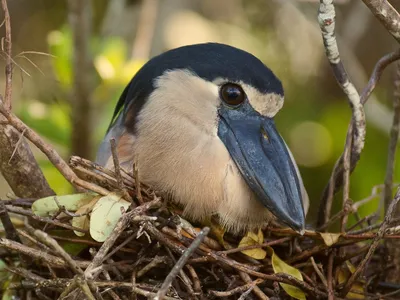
[181, 263]
[326, 19]
[239, 289]
[394, 135]
[8, 52]
[385, 224]
[37, 254]
[387, 15]
[119, 228]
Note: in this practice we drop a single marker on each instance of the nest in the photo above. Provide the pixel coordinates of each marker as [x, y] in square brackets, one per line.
[154, 253]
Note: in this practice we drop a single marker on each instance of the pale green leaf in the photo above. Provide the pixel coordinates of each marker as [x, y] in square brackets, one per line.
[105, 216]
[45, 207]
[280, 266]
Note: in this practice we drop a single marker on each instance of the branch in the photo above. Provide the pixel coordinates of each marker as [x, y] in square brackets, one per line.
[387, 15]
[123, 222]
[336, 179]
[47, 149]
[377, 73]
[145, 30]
[17, 163]
[181, 263]
[393, 246]
[394, 135]
[354, 142]
[79, 16]
[8, 52]
[382, 230]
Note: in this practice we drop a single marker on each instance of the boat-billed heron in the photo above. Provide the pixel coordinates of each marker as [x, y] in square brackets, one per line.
[197, 121]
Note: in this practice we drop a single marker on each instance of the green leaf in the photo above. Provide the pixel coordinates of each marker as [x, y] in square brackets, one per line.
[3, 271]
[51, 121]
[115, 50]
[68, 241]
[105, 216]
[45, 207]
[60, 45]
[73, 248]
[56, 180]
[6, 278]
[280, 266]
[252, 239]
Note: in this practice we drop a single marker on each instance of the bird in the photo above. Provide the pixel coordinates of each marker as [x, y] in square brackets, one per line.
[198, 124]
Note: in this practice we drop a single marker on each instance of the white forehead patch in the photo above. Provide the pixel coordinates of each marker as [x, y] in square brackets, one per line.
[267, 104]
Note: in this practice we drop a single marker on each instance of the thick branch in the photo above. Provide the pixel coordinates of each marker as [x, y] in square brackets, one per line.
[387, 15]
[19, 167]
[52, 155]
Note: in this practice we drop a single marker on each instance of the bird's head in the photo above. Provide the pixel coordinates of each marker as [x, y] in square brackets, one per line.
[228, 95]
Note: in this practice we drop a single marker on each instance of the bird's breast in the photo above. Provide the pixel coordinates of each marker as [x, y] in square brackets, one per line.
[195, 169]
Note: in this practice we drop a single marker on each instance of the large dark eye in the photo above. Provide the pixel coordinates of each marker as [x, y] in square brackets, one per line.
[232, 94]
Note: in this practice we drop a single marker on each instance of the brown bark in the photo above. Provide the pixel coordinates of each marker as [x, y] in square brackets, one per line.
[80, 21]
[19, 167]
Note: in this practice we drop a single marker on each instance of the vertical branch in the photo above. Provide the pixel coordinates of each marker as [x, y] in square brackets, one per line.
[346, 179]
[7, 47]
[357, 128]
[394, 135]
[114, 10]
[145, 30]
[393, 246]
[336, 179]
[80, 21]
[17, 163]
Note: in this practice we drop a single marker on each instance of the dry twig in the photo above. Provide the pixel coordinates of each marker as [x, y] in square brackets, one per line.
[385, 224]
[181, 263]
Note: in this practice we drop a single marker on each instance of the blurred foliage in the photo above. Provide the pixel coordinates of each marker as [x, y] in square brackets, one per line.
[315, 116]
[51, 120]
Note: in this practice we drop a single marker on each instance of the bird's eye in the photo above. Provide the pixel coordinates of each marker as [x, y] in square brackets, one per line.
[232, 94]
